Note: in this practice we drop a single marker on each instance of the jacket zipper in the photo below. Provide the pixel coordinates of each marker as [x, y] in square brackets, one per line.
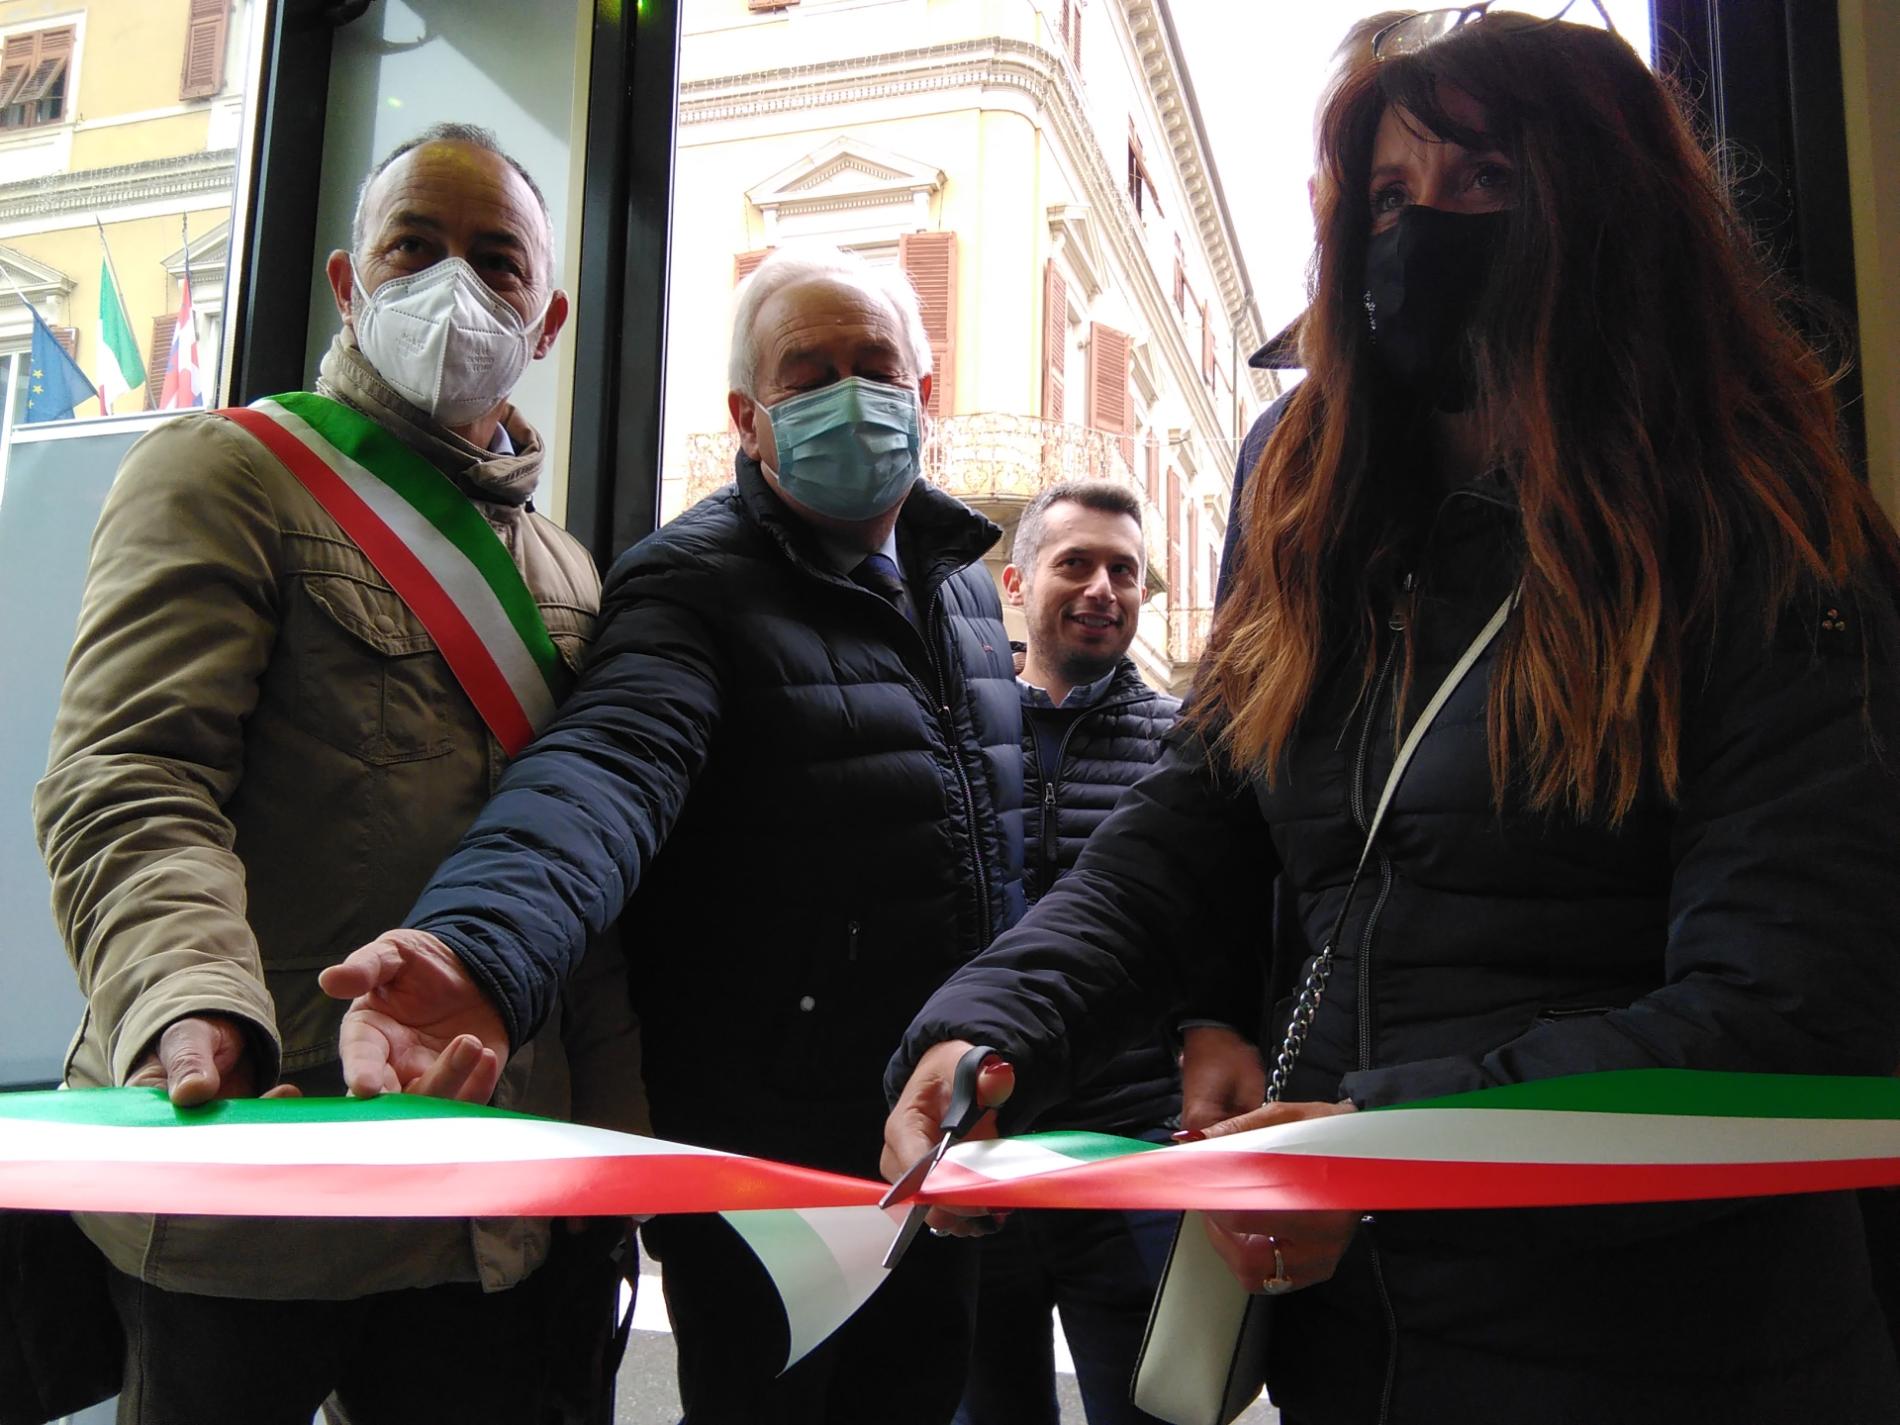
[1364, 999]
[947, 720]
[1051, 780]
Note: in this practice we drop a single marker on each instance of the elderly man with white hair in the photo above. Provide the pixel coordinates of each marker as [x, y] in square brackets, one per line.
[793, 768]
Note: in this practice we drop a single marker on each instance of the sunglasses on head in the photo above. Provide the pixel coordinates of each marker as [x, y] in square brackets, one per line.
[1428, 27]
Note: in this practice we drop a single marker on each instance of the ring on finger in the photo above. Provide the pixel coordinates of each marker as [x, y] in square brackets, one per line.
[1279, 1283]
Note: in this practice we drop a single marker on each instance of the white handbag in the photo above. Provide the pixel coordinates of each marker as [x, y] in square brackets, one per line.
[1204, 1358]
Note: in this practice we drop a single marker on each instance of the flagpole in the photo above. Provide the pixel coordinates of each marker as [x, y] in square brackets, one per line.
[184, 227]
[118, 287]
[111, 266]
[15, 285]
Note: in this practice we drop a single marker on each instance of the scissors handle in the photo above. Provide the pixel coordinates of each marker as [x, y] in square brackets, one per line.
[966, 1109]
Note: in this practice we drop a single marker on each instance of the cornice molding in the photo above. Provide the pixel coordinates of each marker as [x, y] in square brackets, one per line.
[1163, 67]
[91, 190]
[986, 65]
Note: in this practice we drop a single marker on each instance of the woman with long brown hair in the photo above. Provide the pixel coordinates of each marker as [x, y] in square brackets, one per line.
[1557, 685]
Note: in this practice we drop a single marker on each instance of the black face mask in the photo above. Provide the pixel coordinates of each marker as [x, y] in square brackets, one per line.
[1424, 275]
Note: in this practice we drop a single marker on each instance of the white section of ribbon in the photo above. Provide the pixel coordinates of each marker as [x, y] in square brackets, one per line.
[1489, 1135]
[1006, 1159]
[1492, 1135]
[366, 1142]
[449, 566]
[826, 1262]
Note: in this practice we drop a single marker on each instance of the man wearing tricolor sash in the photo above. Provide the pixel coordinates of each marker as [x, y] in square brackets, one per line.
[314, 632]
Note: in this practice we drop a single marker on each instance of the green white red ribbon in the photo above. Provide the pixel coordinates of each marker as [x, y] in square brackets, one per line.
[1630, 1136]
[432, 545]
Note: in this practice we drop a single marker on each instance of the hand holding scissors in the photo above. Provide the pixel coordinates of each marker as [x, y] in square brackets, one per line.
[979, 1082]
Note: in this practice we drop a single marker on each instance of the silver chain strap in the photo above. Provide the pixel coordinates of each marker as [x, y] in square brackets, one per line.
[1313, 988]
[1301, 1024]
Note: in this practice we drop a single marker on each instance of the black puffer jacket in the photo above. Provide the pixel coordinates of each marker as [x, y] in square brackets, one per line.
[811, 813]
[1104, 751]
[1752, 925]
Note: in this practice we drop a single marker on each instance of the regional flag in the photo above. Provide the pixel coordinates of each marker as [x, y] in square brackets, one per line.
[184, 384]
[55, 384]
[120, 369]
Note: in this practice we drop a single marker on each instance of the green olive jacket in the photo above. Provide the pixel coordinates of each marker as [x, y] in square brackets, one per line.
[259, 757]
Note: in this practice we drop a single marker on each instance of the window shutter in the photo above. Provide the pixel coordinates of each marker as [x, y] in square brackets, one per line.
[158, 358]
[1176, 594]
[1207, 344]
[1109, 404]
[16, 65]
[1193, 559]
[1075, 34]
[68, 339]
[204, 49]
[746, 263]
[930, 262]
[55, 53]
[1153, 473]
[1055, 339]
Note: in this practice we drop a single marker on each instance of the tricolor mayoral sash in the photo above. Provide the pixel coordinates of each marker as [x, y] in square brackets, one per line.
[433, 546]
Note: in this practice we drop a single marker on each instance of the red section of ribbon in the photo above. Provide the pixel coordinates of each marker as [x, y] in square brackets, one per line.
[561, 1187]
[468, 657]
[1254, 1182]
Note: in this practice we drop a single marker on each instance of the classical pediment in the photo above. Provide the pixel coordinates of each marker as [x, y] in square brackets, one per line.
[1073, 231]
[26, 279]
[20, 274]
[846, 173]
[207, 252]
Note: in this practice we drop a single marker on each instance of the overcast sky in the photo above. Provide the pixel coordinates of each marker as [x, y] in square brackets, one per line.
[1257, 67]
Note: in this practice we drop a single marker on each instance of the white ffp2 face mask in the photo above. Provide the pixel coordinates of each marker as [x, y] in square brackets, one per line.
[444, 340]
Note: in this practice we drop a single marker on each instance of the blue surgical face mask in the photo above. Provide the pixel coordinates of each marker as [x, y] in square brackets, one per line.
[849, 450]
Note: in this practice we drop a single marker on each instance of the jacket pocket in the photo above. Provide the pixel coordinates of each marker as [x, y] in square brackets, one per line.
[1557, 1014]
[845, 1006]
[369, 679]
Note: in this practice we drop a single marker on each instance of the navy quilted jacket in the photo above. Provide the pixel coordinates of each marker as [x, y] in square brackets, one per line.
[809, 811]
[1104, 751]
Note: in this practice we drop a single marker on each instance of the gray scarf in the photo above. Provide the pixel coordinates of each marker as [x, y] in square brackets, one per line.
[508, 480]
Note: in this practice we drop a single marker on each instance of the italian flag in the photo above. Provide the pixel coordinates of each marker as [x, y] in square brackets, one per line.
[120, 369]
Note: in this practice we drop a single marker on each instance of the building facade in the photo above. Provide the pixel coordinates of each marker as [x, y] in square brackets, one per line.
[120, 125]
[1039, 170]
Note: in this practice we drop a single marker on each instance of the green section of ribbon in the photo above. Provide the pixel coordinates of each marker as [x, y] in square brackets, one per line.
[436, 499]
[149, 1108]
[1690, 1092]
[1086, 1147]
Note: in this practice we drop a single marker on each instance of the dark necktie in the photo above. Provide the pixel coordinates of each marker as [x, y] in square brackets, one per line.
[880, 575]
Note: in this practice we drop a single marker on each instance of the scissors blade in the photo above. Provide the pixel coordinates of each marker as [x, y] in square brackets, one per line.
[915, 1174]
[900, 1244]
[965, 1111]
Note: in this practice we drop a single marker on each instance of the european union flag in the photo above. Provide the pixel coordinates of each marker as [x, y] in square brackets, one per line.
[55, 384]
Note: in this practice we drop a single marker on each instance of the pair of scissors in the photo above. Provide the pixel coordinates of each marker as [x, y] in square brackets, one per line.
[965, 1112]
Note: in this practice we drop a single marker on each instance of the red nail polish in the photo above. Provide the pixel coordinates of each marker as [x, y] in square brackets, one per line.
[1189, 1135]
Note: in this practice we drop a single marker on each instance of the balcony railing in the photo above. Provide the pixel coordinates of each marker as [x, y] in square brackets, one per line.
[985, 459]
[1187, 634]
